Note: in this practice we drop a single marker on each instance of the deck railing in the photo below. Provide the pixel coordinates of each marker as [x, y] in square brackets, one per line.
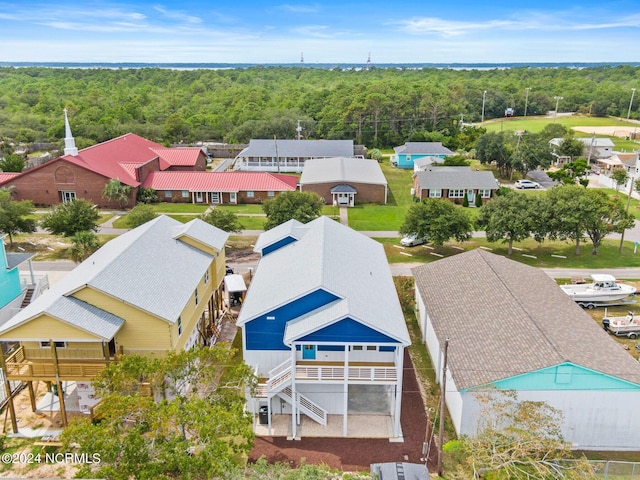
[20, 367]
[332, 373]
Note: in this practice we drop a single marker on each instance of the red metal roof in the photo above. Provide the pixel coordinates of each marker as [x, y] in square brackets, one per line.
[120, 156]
[220, 181]
[180, 156]
[6, 176]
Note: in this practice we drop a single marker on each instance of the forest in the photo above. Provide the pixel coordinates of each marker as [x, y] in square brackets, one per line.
[375, 107]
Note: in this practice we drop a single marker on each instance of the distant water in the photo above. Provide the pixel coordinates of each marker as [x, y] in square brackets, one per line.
[326, 66]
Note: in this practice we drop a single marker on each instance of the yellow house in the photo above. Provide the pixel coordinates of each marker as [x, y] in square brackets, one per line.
[153, 289]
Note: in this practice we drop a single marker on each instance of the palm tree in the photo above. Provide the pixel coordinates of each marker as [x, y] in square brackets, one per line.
[115, 191]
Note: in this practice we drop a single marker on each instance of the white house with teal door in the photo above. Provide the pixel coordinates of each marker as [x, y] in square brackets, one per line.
[509, 326]
[408, 153]
[322, 322]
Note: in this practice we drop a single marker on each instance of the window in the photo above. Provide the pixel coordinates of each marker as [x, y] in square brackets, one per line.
[485, 193]
[196, 295]
[455, 193]
[271, 194]
[58, 344]
[179, 326]
[250, 194]
[67, 196]
[356, 348]
[185, 193]
[435, 193]
[271, 317]
[215, 197]
[206, 276]
[167, 194]
[372, 348]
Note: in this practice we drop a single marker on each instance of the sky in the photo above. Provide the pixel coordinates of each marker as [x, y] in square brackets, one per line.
[324, 31]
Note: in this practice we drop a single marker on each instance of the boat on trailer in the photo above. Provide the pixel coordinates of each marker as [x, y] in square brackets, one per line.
[603, 289]
[627, 326]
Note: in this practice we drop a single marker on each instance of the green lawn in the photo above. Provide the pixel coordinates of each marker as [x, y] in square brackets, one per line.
[391, 215]
[537, 124]
[179, 207]
[608, 256]
[241, 209]
[252, 223]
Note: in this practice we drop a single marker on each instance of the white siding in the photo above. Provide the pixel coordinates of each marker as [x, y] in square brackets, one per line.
[265, 360]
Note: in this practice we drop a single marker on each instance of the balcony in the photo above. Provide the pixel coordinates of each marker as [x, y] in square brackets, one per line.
[21, 366]
[380, 372]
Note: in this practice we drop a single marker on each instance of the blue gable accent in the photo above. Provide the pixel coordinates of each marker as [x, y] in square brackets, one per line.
[267, 331]
[330, 348]
[276, 245]
[347, 330]
[566, 376]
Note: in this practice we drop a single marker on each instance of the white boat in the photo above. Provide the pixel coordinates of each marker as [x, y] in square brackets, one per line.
[627, 326]
[603, 288]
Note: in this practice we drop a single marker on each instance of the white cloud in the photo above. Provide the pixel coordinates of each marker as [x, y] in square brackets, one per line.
[299, 8]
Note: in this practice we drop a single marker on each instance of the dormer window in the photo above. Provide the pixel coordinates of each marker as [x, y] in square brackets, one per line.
[196, 296]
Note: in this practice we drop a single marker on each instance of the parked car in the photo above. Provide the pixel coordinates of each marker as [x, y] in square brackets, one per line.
[527, 184]
[412, 240]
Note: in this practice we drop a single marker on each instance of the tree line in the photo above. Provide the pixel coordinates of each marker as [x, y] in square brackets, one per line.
[375, 107]
[566, 212]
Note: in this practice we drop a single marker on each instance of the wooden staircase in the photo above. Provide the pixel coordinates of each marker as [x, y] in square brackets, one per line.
[27, 297]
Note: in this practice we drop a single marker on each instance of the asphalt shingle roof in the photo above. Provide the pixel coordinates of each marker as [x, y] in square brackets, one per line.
[504, 318]
[297, 148]
[456, 178]
[423, 148]
[335, 258]
[146, 267]
[342, 169]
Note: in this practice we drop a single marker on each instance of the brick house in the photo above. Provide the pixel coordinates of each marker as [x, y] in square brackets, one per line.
[219, 187]
[84, 173]
[342, 181]
[454, 183]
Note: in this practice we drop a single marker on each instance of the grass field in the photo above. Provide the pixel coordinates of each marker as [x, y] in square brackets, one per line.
[608, 256]
[537, 124]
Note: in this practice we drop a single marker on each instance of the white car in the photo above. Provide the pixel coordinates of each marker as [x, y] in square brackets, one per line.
[527, 184]
[412, 240]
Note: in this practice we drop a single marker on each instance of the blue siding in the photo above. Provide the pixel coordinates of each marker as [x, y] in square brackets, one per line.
[279, 244]
[347, 330]
[404, 163]
[566, 376]
[387, 349]
[263, 334]
[9, 280]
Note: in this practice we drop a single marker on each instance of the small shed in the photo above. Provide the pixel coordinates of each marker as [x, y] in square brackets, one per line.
[234, 289]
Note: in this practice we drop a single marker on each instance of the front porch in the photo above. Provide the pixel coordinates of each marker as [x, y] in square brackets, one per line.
[360, 426]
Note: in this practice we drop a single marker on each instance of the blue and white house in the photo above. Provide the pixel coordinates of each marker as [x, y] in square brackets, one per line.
[511, 327]
[405, 155]
[322, 324]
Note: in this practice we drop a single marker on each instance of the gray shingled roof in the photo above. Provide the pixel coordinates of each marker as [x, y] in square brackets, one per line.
[146, 267]
[15, 259]
[335, 258]
[341, 169]
[298, 148]
[504, 318]
[290, 228]
[456, 178]
[86, 317]
[423, 148]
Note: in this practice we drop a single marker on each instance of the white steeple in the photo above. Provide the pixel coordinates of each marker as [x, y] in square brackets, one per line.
[69, 143]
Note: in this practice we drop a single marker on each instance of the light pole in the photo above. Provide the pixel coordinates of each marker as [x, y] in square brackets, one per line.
[555, 114]
[633, 92]
[526, 100]
[484, 95]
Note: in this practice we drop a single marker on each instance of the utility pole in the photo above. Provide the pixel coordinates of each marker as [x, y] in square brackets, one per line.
[557, 98]
[299, 130]
[633, 92]
[275, 142]
[443, 392]
[484, 95]
[526, 99]
[631, 181]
